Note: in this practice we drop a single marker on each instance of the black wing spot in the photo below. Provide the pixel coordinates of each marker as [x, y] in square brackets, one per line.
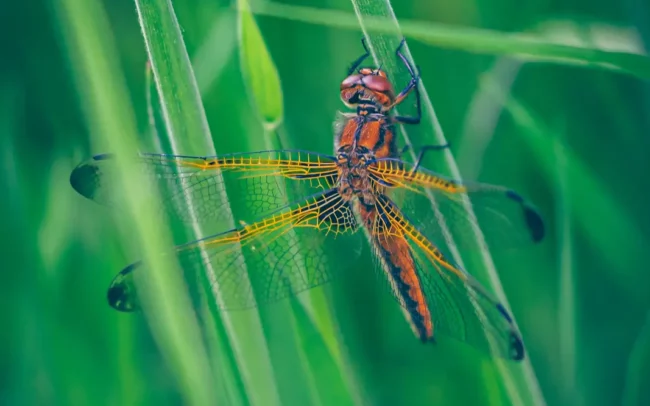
[517, 352]
[516, 346]
[103, 157]
[84, 180]
[535, 224]
[121, 294]
[514, 196]
[503, 311]
[533, 219]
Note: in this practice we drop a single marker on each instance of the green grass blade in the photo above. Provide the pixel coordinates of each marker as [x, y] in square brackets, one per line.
[567, 294]
[635, 391]
[292, 363]
[518, 389]
[483, 114]
[110, 118]
[188, 132]
[530, 47]
[260, 74]
[215, 51]
[622, 255]
[180, 99]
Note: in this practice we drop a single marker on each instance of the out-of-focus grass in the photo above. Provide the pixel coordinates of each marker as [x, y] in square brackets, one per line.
[110, 117]
[65, 345]
[524, 46]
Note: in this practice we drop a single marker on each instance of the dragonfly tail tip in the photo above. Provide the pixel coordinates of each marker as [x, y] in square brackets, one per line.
[121, 295]
[535, 224]
[533, 219]
[517, 352]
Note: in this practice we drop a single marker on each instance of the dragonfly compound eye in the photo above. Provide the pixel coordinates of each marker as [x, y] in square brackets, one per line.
[351, 81]
[378, 83]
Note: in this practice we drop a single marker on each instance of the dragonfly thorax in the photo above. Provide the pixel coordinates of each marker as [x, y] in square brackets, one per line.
[354, 177]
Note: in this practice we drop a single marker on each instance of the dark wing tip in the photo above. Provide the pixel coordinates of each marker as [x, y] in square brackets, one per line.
[121, 294]
[533, 219]
[84, 179]
[535, 223]
[515, 344]
[504, 313]
[103, 157]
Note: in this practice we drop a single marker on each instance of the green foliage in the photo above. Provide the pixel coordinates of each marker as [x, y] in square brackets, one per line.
[571, 135]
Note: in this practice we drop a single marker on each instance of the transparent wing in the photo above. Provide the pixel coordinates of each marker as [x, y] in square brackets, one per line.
[291, 251]
[252, 183]
[436, 295]
[504, 217]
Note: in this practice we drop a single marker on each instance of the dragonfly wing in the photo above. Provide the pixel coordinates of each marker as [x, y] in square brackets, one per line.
[436, 295]
[256, 182]
[435, 202]
[266, 261]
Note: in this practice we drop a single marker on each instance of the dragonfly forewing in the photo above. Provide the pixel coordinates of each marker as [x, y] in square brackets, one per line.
[438, 204]
[255, 183]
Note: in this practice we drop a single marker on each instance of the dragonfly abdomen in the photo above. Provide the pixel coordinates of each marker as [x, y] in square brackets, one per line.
[397, 262]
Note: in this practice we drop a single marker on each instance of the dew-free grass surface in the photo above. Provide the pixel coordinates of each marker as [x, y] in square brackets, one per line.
[548, 98]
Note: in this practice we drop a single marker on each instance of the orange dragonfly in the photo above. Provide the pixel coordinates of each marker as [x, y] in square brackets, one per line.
[281, 249]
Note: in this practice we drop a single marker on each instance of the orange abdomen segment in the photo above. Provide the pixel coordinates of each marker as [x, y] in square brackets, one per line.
[400, 270]
[397, 262]
[378, 137]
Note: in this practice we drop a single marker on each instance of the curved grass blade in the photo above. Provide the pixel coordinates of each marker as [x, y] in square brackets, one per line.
[483, 114]
[530, 47]
[568, 329]
[215, 51]
[264, 89]
[236, 337]
[622, 255]
[635, 391]
[260, 74]
[366, 10]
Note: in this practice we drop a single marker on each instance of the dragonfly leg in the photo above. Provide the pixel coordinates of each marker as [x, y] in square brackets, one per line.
[360, 59]
[423, 150]
[412, 86]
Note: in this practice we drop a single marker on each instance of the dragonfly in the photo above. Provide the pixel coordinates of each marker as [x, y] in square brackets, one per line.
[276, 249]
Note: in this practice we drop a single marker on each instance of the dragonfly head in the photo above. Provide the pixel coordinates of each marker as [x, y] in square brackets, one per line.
[354, 176]
[369, 90]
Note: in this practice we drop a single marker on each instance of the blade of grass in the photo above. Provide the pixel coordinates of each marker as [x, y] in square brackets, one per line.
[635, 391]
[260, 74]
[262, 84]
[264, 89]
[365, 10]
[188, 131]
[88, 39]
[229, 386]
[215, 51]
[483, 114]
[530, 47]
[567, 292]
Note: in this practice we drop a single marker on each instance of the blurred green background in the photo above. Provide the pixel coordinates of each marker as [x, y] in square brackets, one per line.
[573, 139]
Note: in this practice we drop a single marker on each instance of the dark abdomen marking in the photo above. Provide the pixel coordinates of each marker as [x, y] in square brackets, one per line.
[399, 266]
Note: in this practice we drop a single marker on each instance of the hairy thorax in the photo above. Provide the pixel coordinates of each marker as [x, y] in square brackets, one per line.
[354, 181]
